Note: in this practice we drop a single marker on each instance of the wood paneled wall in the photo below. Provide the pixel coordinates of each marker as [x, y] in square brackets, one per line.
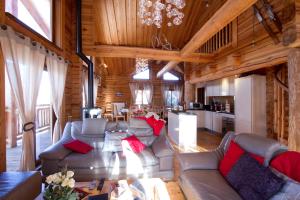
[120, 84]
[277, 104]
[255, 49]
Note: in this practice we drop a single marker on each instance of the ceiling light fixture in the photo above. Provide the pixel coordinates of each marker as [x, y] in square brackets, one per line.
[150, 12]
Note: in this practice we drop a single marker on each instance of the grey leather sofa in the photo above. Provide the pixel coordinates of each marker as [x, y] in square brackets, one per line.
[200, 178]
[155, 161]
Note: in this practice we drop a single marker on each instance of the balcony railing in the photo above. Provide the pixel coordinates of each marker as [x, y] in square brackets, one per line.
[42, 123]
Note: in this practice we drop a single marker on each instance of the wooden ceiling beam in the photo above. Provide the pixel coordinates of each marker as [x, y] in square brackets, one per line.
[230, 10]
[110, 51]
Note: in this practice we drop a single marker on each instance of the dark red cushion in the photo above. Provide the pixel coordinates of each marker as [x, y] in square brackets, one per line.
[156, 125]
[136, 145]
[232, 155]
[288, 163]
[78, 146]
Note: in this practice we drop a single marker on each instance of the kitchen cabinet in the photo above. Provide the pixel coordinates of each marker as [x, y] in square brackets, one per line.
[208, 120]
[209, 90]
[227, 87]
[216, 88]
[217, 122]
[200, 117]
[250, 105]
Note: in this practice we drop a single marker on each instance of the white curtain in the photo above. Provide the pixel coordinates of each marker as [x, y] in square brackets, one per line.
[178, 93]
[84, 82]
[134, 87]
[24, 64]
[96, 85]
[164, 91]
[148, 89]
[57, 69]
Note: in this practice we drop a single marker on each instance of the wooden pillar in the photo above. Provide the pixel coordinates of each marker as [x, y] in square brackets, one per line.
[2, 115]
[270, 103]
[294, 99]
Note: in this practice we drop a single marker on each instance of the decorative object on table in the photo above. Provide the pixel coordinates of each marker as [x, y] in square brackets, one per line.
[99, 197]
[60, 186]
[152, 12]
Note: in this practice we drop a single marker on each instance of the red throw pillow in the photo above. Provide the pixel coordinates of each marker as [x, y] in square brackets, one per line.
[232, 155]
[136, 145]
[78, 146]
[288, 163]
[156, 125]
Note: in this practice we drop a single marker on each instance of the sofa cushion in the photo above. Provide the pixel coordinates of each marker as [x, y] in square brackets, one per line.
[93, 159]
[232, 155]
[134, 144]
[113, 141]
[288, 163]
[94, 126]
[206, 184]
[252, 180]
[259, 145]
[145, 158]
[138, 123]
[155, 124]
[78, 146]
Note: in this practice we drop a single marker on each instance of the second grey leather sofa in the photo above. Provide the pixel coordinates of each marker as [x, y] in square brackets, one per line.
[200, 178]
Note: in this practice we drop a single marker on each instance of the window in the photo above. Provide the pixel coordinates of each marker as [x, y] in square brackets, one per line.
[141, 97]
[172, 98]
[145, 75]
[37, 14]
[170, 77]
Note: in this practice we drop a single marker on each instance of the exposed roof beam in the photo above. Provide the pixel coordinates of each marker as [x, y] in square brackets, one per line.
[230, 10]
[150, 53]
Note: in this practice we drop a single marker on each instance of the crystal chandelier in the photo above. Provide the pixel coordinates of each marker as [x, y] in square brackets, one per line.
[141, 64]
[150, 12]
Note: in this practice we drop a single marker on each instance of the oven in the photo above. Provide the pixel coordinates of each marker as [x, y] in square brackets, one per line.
[227, 124]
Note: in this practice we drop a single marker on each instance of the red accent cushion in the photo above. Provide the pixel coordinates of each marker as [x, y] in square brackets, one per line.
[288, 163]
[156, 125]
[232, 155]
[136, 145]
[78, 146]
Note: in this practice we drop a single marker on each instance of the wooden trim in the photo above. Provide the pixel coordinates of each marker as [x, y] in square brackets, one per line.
[22, 28]
[2, 11]
[150, 53]
[2, 115]
[58, 25]
[167, 68]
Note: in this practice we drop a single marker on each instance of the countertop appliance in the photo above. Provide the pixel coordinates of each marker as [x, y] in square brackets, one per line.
[194, 105]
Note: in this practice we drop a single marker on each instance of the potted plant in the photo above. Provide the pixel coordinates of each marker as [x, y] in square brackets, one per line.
[60, 186]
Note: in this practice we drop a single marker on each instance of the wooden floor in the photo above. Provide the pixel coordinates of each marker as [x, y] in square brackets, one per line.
[13, 155]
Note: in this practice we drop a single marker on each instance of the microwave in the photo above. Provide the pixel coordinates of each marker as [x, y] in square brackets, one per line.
[194, 105]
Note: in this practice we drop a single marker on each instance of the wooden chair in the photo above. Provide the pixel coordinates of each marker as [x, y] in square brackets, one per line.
[108, 114]
[118, 115]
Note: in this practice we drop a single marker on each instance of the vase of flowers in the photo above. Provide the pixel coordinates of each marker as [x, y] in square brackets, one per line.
[60, 186]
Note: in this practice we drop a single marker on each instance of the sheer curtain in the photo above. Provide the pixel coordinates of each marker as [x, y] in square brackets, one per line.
[148, 89]
[96, 84]
[84, 82]
[164, 91]
[24, 61]
[134, 87]
[57, 69]
[178, 92]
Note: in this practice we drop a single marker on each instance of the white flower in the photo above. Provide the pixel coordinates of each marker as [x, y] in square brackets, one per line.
[49, 179]
[70, 174]
[71, 183]
[56, 178]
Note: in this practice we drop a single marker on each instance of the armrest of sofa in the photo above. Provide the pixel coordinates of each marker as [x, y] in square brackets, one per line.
[57, 151]
[201, 160]
[162, 148]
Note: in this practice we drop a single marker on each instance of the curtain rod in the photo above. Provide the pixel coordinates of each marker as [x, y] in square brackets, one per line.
[34, 43]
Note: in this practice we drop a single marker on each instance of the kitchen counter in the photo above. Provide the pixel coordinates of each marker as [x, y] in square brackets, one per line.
[182, 128]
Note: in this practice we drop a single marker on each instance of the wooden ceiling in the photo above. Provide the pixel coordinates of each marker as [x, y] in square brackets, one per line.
[115, 22]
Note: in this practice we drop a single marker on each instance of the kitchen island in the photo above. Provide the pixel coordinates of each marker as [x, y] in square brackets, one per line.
[182, 128]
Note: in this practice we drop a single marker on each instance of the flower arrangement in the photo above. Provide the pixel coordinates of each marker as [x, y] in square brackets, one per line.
[61, 186]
